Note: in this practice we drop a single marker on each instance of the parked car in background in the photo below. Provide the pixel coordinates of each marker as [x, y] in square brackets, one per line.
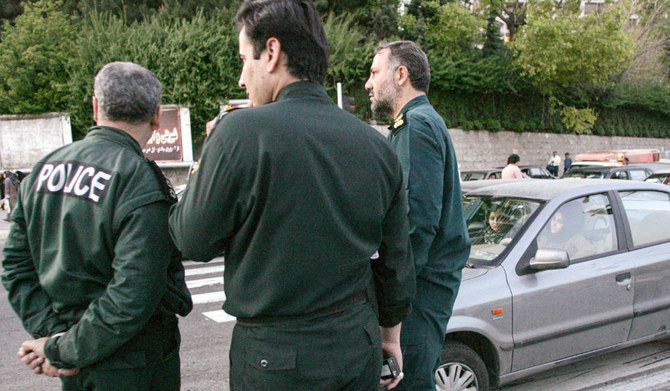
[636, 173]
[662, 177]
[476, 175]
[535, 172]
[574, 268]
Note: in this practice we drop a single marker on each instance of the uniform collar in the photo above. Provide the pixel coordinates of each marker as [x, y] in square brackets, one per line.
[302, 89]
[400, 120]
[115, 135]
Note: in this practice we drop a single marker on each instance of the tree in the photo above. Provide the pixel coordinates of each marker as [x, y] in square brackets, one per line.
[34, 54]
[492, 41]
[376, 17]
[648, 25]
[10, 9]
[451, 28]
[564, 49]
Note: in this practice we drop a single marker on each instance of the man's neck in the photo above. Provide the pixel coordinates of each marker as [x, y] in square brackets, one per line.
[140, 132]
[282, 83]
[405, 97]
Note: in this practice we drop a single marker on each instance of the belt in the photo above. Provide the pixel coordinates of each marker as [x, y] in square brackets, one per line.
[338, 306]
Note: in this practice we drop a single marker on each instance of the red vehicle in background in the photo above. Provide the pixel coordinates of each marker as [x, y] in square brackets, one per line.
[620, 156]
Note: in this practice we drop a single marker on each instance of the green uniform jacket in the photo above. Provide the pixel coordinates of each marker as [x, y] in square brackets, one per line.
[89, 251]
[438, 233]
[299, 195]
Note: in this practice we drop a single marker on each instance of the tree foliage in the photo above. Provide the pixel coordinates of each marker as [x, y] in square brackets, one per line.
[34, 54]
[562, 48]
[195, 59]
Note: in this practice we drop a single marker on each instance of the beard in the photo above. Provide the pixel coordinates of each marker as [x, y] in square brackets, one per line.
[382, 108]
[385, 102]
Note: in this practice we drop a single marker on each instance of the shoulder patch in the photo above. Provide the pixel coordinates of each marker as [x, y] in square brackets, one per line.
[400, 121]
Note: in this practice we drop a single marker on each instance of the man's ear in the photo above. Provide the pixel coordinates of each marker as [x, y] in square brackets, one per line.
[273, 49]
[94, 102]
[402, 75]
[156, 119]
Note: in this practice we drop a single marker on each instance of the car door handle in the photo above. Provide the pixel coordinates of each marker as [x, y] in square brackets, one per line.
[622, 277]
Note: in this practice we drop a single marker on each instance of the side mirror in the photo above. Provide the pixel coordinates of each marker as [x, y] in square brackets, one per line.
[550, 259]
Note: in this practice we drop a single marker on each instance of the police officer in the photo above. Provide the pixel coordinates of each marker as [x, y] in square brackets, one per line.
[398, 84]
[299, 195]
[88, 263]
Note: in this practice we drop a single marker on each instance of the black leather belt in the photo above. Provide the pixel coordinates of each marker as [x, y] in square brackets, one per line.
[338, 306]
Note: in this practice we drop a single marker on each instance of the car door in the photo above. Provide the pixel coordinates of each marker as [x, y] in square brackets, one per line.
[647, 214]
[586, 306]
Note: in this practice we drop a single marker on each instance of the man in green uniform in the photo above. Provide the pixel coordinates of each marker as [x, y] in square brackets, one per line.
[88, 263]
[299, 195]
[398, 84]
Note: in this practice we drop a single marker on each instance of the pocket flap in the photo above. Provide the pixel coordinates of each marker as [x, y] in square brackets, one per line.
[270, 357]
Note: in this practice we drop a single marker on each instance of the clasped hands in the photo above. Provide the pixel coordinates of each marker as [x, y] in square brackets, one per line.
[32, 354]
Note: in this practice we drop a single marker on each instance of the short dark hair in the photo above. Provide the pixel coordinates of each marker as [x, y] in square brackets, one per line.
[127, 92]
[513, 158]
[409, 55]
[296, 24]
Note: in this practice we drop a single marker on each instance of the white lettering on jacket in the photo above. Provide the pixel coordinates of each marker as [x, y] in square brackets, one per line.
[73, 178]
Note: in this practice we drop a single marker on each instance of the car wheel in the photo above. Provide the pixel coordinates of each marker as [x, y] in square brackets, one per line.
[461, 369]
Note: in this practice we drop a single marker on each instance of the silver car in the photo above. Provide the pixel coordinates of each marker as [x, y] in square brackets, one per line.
[559, 271]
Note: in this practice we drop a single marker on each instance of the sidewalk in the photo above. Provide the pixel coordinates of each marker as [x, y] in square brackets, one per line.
[4, 226]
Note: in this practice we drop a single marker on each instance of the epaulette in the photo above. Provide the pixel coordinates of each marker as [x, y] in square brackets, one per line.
[226, 109]
[400, 121]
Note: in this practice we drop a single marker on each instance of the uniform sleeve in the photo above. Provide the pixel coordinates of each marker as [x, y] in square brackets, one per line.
[132, 296]
[26, 296]
[212, 206]
[393, 271]
[426, 186]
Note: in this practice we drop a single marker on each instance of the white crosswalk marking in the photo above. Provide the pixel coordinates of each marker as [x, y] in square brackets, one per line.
[204, 282]
[211, 287]
[210, 297]
[204, 270]
[219, 316]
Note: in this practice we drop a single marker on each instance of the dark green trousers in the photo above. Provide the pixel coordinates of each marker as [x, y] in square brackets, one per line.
[341, 351]
[148, 362]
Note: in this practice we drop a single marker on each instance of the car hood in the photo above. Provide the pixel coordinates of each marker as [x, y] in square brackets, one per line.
[470, 273]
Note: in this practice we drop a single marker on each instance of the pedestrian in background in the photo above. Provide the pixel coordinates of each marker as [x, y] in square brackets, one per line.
[398, 84]
[554, 163]
[11, 186]
[567, 163]
[299, 195]
[512, 170]
[88, 263]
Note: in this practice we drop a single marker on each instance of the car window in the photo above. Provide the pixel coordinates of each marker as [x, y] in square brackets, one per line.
[493, 223]
[638, 175]
[648, 214]
[583, 227]
[663, 179]
[619, 175]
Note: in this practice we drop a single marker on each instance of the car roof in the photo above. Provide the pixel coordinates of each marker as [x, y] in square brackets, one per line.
[606, 168]
[547, 189]
[484, 170]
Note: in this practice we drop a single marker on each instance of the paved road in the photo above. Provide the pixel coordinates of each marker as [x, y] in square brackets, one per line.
[206, 334]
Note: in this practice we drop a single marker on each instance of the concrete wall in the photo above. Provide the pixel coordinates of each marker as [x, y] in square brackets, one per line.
[24, 139]
[476, 149]
[482, 149]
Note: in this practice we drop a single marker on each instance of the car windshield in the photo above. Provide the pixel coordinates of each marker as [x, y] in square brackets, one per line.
[493, 223]
[659, 178]
[585, 174]
[473, 175]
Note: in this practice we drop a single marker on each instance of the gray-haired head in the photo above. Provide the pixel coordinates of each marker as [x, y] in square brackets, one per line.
[127, 92]
[409, 55]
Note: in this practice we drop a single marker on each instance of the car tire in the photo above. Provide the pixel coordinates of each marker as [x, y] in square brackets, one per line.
[461, 369]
